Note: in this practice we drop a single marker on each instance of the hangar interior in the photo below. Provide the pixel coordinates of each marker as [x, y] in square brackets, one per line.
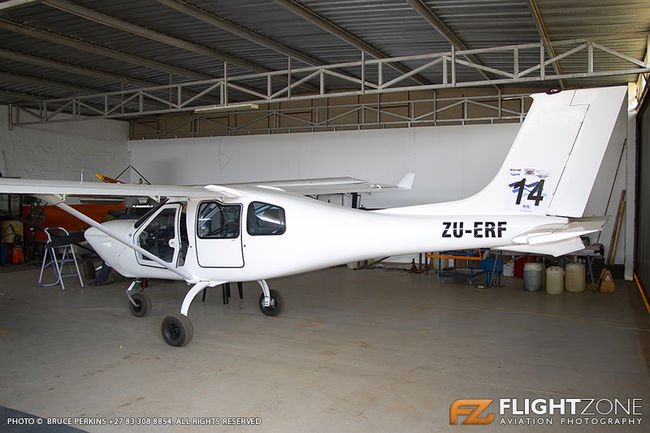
[198, 92]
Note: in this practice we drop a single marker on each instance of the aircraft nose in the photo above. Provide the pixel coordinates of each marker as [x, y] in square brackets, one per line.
[104, 245]
[100, 242]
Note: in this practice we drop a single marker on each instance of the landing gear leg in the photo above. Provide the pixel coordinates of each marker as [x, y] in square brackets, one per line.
[177, 329]
[269, 301]
[139, 303]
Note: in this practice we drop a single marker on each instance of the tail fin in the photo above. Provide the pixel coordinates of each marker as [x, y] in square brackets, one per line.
[555, 157]
[554, 160]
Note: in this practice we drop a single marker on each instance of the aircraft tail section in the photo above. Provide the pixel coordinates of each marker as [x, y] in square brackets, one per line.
[553, 162]
[555, 157]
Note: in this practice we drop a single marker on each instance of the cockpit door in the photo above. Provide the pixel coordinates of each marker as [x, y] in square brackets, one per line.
[219, 235]
[160, 235]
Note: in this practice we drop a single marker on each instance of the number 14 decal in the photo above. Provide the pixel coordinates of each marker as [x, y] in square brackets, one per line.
[534, 190]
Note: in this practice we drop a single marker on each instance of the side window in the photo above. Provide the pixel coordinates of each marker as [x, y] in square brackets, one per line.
[155, 237]
[218, 221]
[265, 219]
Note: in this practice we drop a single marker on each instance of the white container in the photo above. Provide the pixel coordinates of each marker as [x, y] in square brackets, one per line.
[533, 277]
[554, 280]
[509, 269]
[574, 279]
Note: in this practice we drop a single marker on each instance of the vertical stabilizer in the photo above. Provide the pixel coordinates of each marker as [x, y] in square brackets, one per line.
[553, 162]
[555, 157]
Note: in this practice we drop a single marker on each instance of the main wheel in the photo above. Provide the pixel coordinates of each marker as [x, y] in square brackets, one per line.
[177, 330]
[272, 309]
[142, 305]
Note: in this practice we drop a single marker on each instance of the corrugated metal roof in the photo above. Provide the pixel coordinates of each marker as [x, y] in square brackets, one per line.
[393, 27]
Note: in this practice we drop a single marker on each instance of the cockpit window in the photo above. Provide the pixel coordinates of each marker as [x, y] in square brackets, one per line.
[265, 219]
[151, 211]
[156, 236]
[218, 221]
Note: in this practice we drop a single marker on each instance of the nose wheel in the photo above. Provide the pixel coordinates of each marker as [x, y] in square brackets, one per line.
[140, 304]
[177, 330]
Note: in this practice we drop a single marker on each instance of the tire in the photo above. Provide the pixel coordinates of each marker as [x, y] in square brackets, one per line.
[275, 307]
[177, 330]
[142, 305]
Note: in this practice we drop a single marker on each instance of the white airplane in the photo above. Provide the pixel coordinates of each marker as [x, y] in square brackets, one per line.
[212, 235]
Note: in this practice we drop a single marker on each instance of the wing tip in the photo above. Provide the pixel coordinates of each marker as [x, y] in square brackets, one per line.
[406, 183]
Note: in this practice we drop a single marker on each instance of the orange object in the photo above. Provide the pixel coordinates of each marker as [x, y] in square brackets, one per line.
[107, 179]
[55, 217]
[645, 299]
[606, 282]
[451, 256]
[17, 254]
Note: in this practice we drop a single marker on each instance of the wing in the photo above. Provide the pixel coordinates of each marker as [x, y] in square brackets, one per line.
[331, 185]
[62, 188]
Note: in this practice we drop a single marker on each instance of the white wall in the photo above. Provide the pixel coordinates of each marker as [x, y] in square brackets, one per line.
[62, 150]
[450, 162]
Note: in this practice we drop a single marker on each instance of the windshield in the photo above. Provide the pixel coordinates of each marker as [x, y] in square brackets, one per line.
[144, 217]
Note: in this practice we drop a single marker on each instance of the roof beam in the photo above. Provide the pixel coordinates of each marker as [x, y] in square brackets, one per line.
[144, 32]
[72, 69]
[46, 83]
[231, 27]
[541, 29]
[236, 29]
[99, 50]
[20, 96]
[13, 3]
[343, 34]
[428, 14]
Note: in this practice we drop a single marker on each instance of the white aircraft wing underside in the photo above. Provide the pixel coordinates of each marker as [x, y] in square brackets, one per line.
[329, 185]
[67, 188]
[63, 188]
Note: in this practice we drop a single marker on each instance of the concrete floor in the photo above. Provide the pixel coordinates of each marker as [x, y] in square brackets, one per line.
[352, 351]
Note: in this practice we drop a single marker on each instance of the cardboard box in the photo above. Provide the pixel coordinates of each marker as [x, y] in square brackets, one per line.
[9, 229]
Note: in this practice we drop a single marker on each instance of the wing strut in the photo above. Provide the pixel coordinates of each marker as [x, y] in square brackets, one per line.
[72, 211]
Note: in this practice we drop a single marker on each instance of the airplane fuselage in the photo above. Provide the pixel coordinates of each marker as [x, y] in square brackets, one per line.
[311, 235]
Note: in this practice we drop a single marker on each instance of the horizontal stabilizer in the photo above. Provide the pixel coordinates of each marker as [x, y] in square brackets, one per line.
[556, 239]
[558, 232]
[555, 249]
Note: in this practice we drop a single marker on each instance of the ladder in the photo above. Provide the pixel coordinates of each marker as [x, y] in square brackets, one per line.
[57, 255]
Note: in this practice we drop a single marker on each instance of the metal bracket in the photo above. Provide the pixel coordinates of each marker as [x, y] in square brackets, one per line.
[132, 289]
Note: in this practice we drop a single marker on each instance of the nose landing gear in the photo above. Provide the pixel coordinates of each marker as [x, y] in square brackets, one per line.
[139, 302]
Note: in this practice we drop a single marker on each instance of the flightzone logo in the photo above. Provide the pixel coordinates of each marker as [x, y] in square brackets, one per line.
[547, 411]
[471, 408]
